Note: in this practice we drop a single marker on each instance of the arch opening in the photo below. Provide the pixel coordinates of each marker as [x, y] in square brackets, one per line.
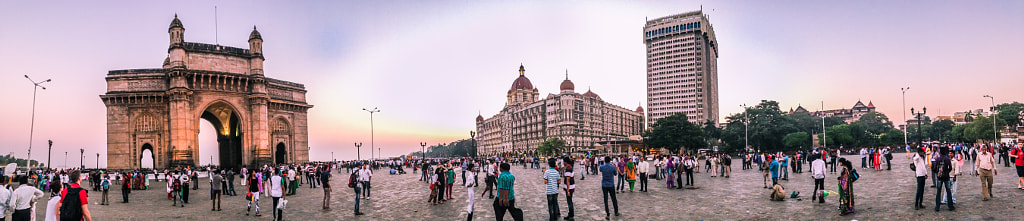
[280, 154]
[228, 128]
[146, 159]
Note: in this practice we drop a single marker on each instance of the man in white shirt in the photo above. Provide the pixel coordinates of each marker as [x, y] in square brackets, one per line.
[5, 197]
[818, 173]
[364, 177]
[22, 198]
[643, 168]
[292, 185]
[863, 158]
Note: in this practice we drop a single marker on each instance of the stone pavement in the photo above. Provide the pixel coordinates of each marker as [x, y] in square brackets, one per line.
[880, 195]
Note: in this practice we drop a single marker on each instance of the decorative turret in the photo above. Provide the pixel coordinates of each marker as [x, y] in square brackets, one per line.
[176, 54]
[177, 31]
[256, 49]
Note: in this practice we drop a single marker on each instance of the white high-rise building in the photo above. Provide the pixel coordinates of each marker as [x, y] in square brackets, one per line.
[682, 68]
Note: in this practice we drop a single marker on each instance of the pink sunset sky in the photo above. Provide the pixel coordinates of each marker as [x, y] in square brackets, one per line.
[432, 66]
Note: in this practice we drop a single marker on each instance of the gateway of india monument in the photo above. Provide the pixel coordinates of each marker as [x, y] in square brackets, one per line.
[259, 120]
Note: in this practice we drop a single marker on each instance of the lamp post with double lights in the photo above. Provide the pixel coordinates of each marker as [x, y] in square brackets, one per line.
[32, 126]
[358, 157]
[920, 118]
[423, 150]
[472, 136]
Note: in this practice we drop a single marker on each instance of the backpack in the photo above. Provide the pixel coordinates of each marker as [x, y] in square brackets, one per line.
[352, 179]
[106, 184]
[778, 193]
[71, 205]
[176, 185]
[854, 175]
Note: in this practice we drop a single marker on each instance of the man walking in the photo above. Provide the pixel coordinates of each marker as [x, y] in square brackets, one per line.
[818, 172]
[608, 173]
[75, 199]
[22, 198]
[216, 182]
[506, 200]
[470, 191]
[643, 167]
[570, 187]
[358, 187]
[863, 158]
[986, 167]
[231, 182]
[942, 168]
[551, 181]
[325, 181]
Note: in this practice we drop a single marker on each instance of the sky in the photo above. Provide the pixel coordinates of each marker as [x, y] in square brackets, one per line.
[432, 66]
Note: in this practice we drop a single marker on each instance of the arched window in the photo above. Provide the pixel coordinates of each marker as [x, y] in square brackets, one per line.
[280, 126]
[147, 123]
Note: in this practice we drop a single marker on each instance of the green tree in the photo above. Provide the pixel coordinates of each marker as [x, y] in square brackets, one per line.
[893, 137]
[711, 132]
[981, 129]
[874, 122]
[839, 135]
[1010, 114]
[675, 132]
[796, 140]
[957, 134]
[551, 146]
[940, 130]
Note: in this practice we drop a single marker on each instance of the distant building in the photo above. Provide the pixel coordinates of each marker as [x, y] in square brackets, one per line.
[848, 115]
[582, 120]
[682, 68]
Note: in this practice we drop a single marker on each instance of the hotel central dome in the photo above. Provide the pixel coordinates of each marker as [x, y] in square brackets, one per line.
[522, 83]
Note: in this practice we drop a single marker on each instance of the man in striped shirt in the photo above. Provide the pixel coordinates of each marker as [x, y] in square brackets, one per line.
[551, 180]
[506, 200]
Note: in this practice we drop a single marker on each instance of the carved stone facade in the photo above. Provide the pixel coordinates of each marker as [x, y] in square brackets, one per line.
[259, 120]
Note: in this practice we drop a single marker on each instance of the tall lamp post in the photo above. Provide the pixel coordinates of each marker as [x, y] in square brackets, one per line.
[746, 139]
[472, 136]
[375, 110]
[81, 161]
[32, 126]
[995, 136]
[423, 150]
[920, 118]
[65, 159]
[97, 160]
[904, 112]
[358, 157]
[48, 151]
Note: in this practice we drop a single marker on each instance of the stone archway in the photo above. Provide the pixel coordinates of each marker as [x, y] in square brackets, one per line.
[163, 107]
[225, 119]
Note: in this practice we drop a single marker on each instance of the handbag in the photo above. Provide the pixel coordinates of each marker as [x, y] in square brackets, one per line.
[913, 167]
[282, 204]
[248, 196]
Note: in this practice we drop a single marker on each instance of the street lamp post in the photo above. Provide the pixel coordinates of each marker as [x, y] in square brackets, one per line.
[97, 160]
[358, 157]
[32, 126]
[920, 118]
[746, 138]
[81, 161]
[423, 150]
[65, 159]
[375, 110]
[48, 153]
[904, 112]
[472, 135]
[995, 136]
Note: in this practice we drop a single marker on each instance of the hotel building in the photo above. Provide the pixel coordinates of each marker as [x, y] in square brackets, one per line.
[682, 68]
[526, 121]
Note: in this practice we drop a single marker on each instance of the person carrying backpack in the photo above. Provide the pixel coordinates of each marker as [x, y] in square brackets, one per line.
[105, 186]
[74, 203]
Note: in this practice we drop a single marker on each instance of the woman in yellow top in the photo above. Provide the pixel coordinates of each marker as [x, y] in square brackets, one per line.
[630, 173]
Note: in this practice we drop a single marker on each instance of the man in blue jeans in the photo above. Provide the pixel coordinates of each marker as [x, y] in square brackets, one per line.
[941, 168]
[608, 172]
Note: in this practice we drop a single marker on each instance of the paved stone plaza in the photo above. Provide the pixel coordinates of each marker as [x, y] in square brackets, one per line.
[884, 195]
